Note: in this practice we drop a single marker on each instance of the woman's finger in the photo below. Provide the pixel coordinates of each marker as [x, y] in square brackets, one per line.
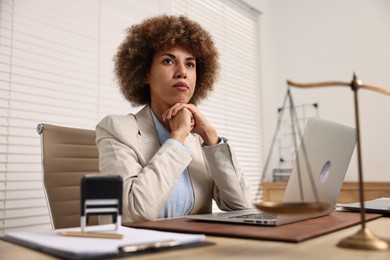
[176, 109]
[172, 111]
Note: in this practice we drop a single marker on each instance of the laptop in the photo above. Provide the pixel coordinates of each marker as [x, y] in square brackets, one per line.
[329, 147]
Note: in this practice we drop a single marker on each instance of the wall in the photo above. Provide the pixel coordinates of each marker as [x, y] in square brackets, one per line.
[309, 41]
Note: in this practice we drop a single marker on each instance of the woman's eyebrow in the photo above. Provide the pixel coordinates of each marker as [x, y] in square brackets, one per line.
[173, 56]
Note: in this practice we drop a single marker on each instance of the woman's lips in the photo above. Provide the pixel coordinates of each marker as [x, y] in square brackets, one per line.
[181, 86]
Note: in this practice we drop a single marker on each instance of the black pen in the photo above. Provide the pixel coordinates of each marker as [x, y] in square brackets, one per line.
[148, 246]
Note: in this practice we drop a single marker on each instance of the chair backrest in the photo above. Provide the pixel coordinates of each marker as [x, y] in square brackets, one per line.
[67, 155]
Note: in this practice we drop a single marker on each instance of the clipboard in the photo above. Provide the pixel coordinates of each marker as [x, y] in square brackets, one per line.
[134, 242]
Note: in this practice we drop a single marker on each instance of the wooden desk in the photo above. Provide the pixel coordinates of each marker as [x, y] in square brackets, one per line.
[273, 191]
[320, 248]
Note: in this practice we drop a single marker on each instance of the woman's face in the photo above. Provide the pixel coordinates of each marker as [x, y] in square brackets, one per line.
[172, 77]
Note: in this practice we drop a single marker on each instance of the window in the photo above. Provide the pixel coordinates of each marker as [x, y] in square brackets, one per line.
[56, 67]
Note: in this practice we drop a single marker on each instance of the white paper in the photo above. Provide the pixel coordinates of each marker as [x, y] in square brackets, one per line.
[87, 246]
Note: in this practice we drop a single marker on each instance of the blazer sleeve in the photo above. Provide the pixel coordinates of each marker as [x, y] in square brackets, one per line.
[231, 190]
[146, 185]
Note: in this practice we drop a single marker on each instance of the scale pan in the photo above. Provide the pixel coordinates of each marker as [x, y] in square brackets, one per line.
[292, 207]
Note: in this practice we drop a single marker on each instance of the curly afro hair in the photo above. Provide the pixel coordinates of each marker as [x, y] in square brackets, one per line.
[134, 57]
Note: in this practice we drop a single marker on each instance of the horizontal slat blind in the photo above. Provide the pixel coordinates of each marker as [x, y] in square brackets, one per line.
[235, 105]
[115, 17]
[56, 67]
[51, 77]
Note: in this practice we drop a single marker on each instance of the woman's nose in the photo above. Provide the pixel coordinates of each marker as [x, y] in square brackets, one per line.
[181, 71]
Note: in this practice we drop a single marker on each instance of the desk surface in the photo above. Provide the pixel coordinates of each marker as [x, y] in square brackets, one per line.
[323, 247]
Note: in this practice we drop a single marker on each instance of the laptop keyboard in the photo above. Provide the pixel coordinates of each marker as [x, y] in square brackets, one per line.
[262, 215]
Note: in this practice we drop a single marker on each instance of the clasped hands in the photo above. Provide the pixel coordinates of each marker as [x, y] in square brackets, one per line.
[184, 119]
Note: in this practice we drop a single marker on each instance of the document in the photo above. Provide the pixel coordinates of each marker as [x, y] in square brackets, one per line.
[71, 247]
[380, 205]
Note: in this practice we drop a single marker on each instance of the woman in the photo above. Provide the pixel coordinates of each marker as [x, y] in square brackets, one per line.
[170, 157]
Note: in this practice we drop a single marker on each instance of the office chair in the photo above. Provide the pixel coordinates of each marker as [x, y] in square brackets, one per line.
[67, 155]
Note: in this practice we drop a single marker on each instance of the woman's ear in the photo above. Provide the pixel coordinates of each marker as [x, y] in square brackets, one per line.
[146, 79]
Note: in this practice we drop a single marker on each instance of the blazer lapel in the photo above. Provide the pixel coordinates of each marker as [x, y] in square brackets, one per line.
[197, 171]
[147, 136]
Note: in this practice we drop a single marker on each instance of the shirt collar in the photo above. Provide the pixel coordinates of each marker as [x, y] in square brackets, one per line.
[162, 133]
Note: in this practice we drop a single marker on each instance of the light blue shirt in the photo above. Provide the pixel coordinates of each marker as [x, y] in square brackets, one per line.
[181, 199]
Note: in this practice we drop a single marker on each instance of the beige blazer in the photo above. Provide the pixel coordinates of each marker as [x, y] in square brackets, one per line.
[128, 146]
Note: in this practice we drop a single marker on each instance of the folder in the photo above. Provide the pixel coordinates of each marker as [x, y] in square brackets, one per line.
[379, 205]
[133, 241]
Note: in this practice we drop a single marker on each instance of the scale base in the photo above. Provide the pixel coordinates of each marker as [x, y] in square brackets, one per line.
[364, 239]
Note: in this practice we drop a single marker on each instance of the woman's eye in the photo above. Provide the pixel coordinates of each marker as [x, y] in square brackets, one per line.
[191, 64]
[167, 61]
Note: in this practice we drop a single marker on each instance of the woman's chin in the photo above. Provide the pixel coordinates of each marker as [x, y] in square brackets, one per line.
[184, 101]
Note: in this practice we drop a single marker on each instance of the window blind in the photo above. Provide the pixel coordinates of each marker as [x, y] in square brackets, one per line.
[56, 67]
[234, 107]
